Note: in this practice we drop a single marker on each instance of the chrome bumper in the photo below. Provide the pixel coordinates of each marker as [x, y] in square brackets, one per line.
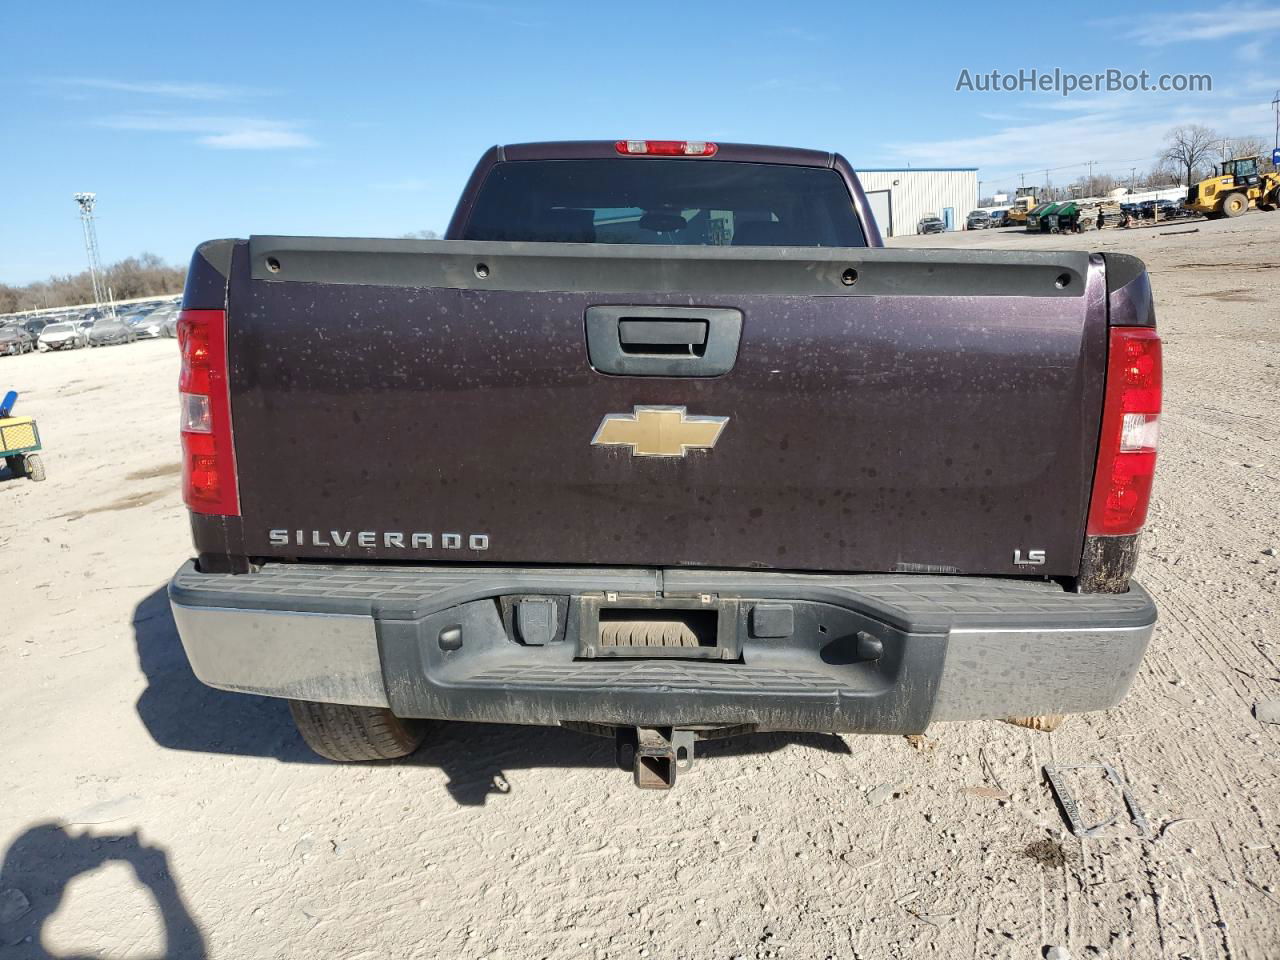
[953, 648]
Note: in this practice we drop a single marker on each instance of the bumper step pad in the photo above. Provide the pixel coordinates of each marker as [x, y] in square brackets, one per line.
[875, 653]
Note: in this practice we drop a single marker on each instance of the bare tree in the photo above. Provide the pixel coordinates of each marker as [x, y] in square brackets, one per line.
[1190, 147]
[141, 276]
[1096, 186]
[10, 299]
[1163, 174]
[1233, 147]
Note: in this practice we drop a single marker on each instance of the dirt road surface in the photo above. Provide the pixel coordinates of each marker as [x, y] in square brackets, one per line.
[142, 814]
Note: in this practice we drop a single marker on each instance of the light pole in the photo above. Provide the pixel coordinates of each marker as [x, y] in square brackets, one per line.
[86, 202]
[1276, 103]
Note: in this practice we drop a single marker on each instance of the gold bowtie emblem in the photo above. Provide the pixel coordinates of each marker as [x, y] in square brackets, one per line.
[659, 431]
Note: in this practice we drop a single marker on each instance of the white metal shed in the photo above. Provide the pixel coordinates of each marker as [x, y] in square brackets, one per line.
[900, 198]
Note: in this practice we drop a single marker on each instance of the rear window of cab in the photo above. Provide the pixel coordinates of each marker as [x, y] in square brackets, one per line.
[671, 202]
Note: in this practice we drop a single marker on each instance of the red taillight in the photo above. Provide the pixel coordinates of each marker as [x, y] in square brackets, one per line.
[1130, 422]
[667, 148]
[208, 458]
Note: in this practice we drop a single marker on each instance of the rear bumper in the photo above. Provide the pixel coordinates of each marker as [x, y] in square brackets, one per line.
[867, 653]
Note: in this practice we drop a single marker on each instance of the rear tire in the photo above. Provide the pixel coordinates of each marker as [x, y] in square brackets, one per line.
[1234, 204]
[33, 467]
[349, 734]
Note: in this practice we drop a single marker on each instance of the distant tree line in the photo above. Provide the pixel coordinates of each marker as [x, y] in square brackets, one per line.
[145, 275]
[1191, 153]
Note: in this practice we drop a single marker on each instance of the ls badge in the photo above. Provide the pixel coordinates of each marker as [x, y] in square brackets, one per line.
[659, 431]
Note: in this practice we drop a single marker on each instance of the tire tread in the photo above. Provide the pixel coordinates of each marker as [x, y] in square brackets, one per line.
[349, 734]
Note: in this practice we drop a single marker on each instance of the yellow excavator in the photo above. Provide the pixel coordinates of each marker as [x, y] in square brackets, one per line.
[1235, 188]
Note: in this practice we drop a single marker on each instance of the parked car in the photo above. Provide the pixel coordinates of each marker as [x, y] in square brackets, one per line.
[999, 218]
[14, 340]
[652, 596]
[977, 220]
[171, 324]
[931, 225]
[147, 326]
[62, 336]
[86, 320]
[34, 325]
[109, 330]
[1169, 210]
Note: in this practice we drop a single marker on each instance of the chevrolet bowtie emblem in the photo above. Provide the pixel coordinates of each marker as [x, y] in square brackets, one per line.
[659, 431]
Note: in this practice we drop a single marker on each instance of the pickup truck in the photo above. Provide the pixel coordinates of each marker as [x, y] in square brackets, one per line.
[661, 443]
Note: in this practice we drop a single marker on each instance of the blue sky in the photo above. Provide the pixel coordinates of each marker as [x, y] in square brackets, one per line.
[193, 121]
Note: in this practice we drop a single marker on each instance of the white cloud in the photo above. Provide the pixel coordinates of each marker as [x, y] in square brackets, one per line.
[1251, 52]
[796, 86]
[182, 91]
[1026, 147]
[1259, 83]
[1228, 20]
[1103, 102]
[257, 139]
[1114, 139]
[218, 132]
[1116, 131]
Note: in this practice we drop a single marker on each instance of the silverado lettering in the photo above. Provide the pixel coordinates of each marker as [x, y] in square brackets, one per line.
[370, 539]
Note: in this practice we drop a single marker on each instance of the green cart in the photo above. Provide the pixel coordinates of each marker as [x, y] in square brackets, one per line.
[19, 442]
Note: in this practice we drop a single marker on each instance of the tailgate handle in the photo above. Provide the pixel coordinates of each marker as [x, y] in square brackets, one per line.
[678, 337]
[650, 341]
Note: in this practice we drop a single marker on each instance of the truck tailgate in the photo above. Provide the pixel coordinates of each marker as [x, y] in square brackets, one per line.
[885, 410]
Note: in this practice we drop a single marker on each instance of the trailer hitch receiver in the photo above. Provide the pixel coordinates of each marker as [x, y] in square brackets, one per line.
[655, 754]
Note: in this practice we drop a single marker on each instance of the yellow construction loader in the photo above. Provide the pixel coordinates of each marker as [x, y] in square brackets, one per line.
[1235, 188]
[1019, 209]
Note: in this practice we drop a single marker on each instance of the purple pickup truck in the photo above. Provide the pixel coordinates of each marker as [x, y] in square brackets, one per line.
[662, 443]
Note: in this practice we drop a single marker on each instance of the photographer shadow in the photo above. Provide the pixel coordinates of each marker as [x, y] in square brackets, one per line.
[45, 858]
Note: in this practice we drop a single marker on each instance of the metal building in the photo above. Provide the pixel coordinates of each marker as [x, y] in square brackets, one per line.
[900, 198]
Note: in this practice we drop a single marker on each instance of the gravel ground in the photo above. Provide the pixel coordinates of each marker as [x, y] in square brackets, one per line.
[144, 815]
